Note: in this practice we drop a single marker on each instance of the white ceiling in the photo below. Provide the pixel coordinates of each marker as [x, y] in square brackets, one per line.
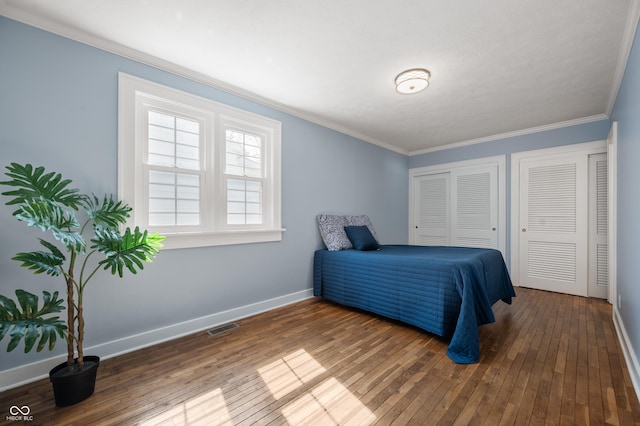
[499, 67]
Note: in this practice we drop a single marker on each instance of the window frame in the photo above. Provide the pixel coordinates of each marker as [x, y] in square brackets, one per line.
[242, 125]
[135, 97]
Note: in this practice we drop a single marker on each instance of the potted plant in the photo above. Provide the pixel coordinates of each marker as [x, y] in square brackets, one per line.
[44, 200]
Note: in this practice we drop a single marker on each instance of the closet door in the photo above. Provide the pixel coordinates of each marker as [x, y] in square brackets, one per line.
[553, 224]
[474, 207]
[598, 227]
[432, 210]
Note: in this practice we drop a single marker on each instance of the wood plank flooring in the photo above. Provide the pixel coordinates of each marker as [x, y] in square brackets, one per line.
[548, 359]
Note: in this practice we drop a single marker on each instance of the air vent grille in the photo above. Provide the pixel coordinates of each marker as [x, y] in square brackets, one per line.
[222, 328]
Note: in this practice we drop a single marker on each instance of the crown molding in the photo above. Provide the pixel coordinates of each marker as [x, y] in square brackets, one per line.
[506, 135]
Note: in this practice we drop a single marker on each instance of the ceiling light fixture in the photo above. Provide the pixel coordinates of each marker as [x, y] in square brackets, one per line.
[412, 81]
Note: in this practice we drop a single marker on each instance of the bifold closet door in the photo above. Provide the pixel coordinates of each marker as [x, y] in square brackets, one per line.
[432, 210]
[474, 195]
[457, 208]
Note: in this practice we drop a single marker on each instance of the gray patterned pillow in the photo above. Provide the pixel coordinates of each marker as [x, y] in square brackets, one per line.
[332, 231]
[362, 220]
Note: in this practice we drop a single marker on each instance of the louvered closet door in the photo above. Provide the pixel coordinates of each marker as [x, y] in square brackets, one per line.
[431, 203]
[475, 207]
[553, 224]
[598, 227]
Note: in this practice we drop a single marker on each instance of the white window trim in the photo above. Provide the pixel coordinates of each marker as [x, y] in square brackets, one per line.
[131, 182]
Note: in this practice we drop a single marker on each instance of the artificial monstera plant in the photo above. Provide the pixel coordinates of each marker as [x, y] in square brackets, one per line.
[86, 239]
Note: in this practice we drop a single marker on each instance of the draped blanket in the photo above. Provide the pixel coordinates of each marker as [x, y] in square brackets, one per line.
[447, 291]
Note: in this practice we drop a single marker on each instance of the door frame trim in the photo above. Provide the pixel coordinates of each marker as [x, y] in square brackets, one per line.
[612, 216]
[595, 147]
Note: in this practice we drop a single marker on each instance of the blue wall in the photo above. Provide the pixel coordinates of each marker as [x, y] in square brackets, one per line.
[626, 112]
[58, 108]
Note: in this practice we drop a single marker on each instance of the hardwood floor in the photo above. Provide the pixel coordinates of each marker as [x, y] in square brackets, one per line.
[548, 359]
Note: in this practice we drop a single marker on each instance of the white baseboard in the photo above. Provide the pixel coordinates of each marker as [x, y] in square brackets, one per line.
[627, 350]
[39, 370]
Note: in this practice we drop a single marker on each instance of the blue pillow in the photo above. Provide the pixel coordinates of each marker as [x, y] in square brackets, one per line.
[361, 238]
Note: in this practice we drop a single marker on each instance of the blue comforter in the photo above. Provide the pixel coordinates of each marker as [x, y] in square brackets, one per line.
[448, 291]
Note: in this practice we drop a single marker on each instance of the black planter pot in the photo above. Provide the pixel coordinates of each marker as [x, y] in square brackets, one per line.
[73, 386]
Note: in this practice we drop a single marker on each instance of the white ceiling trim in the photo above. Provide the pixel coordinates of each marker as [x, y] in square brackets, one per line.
[522, 132]
[631, 27]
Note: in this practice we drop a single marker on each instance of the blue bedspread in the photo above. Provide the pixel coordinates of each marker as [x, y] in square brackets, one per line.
[448, 291]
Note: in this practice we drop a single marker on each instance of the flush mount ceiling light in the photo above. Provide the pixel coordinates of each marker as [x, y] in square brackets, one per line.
[412, 81]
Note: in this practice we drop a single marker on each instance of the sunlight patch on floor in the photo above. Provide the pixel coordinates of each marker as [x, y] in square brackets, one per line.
[290, 372]
[208, 409]
[328, 403]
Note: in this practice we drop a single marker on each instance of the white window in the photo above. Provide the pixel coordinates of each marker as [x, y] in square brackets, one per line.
[199, 172]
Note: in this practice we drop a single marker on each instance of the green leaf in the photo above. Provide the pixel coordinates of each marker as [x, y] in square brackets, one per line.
[48, 216]
[40, 261]
[26, 320]
[28, 302]
[35, 183]
[19, 331]
[108, 213]
[126, 251]
[53, 249]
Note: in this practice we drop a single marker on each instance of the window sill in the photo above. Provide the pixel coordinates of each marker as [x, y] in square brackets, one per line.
[207, 239]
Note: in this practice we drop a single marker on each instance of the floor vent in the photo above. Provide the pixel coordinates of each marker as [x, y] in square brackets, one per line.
[223, 328]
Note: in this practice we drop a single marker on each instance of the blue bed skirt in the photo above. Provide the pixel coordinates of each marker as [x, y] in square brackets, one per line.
[447, 291]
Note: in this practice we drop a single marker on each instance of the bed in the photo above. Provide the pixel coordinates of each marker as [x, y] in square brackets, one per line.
[448, 291]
